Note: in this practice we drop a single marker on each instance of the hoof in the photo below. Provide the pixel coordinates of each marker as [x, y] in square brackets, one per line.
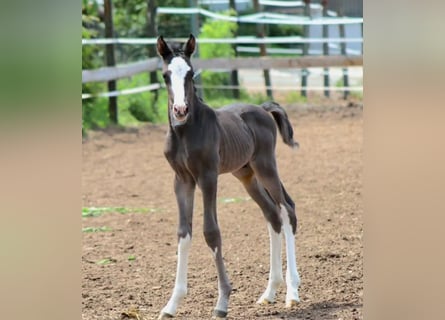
[291, 303]
[164, 315]
[264, 302]
[218, 314]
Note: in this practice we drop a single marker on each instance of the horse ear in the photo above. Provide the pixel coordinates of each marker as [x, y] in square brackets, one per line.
[189, 47]
[163, 48]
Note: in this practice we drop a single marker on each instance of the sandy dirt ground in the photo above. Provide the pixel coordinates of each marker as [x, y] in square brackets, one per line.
[126, 168]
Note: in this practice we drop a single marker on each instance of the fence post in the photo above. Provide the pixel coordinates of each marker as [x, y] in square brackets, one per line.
[234, 81]
[304, 71]
[326, 79]
[151, 33]
[109, 53]
[260, 34]
[343, 52]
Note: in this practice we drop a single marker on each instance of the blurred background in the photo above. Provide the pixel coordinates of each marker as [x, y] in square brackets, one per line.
[314, 53]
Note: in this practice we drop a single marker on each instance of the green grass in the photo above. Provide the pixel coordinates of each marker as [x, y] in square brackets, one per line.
[106, 261]
[234, 200]
[96, 212]
[295, 97]
[96, 229]
[353, 94]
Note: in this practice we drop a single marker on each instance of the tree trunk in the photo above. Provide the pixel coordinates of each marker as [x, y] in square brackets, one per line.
[109, 53]
[152, 33]
[263, 52]
[234, 73]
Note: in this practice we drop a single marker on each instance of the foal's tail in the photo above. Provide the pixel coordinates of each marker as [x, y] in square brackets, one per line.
[282, 121]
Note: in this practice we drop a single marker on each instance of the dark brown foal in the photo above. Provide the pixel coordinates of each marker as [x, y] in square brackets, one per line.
[203, 143]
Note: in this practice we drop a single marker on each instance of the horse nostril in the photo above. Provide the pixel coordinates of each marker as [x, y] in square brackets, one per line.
[180, 110]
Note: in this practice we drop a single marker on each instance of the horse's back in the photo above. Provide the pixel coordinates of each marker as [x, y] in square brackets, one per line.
[241, 108]
[258, 120]
[242, 117]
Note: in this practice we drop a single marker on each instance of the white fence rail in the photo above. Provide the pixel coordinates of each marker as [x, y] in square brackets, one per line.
[235, 40]
[113, 73]
[118, 72]
[353, 57]
[264, 17]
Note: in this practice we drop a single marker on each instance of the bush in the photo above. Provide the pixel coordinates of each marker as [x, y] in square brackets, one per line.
[142, 106]
[217, 29]
[173, 25]
[94, 114]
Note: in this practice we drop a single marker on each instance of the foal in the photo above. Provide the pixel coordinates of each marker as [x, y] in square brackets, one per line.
[203, 143]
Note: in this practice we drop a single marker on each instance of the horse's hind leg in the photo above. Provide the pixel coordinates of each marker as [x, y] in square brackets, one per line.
[272, 215]
[289, 228]
[266, 172]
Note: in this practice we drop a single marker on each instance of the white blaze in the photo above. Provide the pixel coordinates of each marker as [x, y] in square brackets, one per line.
[178, 68]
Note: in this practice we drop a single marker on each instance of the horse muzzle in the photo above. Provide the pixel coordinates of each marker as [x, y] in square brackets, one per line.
[180, 112]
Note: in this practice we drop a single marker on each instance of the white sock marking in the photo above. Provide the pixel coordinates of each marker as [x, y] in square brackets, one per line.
[276, 272]
[179, 69]
[180, 289]
[292, 276]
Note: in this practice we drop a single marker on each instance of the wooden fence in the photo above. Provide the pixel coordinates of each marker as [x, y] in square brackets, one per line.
[114, 73]
[111, 73]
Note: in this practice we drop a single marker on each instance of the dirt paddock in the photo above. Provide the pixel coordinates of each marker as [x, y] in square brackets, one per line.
[126, 168]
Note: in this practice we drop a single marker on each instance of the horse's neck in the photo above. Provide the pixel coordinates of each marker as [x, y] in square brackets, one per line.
[199, 111]
[198, 104]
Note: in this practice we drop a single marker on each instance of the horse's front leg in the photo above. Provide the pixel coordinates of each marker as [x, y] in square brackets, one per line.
[184, 190]
[208, 184]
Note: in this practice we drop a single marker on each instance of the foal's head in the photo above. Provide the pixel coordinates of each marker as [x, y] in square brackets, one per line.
[178, 75]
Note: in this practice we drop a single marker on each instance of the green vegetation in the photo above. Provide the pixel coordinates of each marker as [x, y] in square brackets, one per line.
[106, 261]
[295, 97]
[94, 115]
[173, 25]
[353, 94]
[142, 107]
[96, 229]
[96, 212]
[272, 30]
[130, 20]
[217, 29]
[234, 200]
